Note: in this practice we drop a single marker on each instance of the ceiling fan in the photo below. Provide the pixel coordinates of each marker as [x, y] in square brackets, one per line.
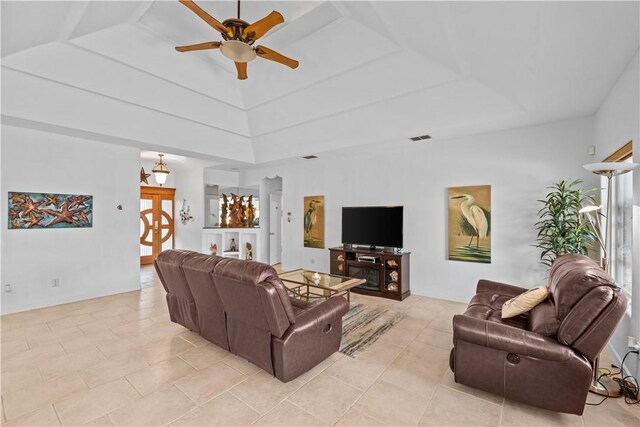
[239, 37]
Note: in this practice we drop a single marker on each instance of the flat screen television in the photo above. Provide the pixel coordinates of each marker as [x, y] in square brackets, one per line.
[372, 226]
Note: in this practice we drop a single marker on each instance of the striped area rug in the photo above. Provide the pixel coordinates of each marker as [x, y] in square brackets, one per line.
[362, 326]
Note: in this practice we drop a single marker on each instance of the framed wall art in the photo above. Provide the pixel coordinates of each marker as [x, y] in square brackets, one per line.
[47, 210]
[470, 223]
[314, 222]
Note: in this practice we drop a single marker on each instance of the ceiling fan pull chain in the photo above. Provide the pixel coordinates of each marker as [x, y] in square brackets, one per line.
[238, 9]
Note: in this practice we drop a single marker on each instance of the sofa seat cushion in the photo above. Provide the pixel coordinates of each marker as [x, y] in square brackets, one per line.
[488, 306]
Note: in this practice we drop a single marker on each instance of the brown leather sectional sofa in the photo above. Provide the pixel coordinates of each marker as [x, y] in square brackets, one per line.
[544, 358]
[242, 306]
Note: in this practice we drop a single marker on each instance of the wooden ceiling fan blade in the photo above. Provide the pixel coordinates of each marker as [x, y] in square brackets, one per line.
[272, 55]
[205, 16]
[199, 46]
[261, 27]
[242, 70]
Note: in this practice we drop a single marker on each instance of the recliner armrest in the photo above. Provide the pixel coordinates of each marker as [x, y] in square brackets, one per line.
[499, 288]
[508, 338]
[318, 316]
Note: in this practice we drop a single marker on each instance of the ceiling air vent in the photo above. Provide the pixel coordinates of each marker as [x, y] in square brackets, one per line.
[310, 157]
[420, 138]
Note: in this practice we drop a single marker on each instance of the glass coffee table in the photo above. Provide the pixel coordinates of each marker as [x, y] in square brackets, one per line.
[309, 285]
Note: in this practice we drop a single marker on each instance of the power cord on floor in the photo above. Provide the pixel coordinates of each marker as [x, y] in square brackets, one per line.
[628, 384]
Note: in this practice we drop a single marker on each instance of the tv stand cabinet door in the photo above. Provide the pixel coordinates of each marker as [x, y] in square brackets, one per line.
[338, 263]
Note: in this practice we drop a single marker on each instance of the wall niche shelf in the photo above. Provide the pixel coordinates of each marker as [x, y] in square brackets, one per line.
[222, 238]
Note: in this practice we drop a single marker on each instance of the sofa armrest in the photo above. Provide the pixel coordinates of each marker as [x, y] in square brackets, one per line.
[302, 305]
[315, 336]
[318, 316]
[508, 338]
[499, 288]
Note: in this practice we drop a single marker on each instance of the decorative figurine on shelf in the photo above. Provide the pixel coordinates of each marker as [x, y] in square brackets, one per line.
[392, 263]
[394, 276]
[251, 212]
[316, 277]
[214, 249]
[225, 209]
[233, 247]
[185, 213]
[236, 217]
[392, 287]
[248, 251]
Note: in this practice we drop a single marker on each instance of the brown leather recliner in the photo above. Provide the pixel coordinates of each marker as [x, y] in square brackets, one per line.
[182, 307]
[198, 271]
[244, 305]
[543, 358]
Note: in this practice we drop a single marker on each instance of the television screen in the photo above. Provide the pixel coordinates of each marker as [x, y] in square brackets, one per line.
[375, 225]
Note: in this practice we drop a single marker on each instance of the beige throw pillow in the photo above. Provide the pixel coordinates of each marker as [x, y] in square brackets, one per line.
[524, 302]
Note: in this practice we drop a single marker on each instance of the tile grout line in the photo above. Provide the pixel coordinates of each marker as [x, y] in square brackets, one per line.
[57, 414]
[305, 411]
[372, 384]
[385, 369]
[4, 412]
[230, 391]
[469, 394]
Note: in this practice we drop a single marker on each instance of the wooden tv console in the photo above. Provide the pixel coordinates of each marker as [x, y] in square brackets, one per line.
[387, 276]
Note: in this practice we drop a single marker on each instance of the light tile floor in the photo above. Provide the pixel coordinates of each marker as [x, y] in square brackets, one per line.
[118, 360]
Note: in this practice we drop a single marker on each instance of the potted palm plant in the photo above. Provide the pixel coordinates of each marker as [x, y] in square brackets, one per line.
[560, 229]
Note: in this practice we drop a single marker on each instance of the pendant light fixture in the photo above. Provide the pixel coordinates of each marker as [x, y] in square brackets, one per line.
[160, 171]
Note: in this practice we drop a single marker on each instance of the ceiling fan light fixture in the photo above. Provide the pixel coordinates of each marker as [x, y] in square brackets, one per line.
[237, 51]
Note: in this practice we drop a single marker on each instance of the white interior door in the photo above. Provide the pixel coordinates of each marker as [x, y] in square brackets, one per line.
[275, 228]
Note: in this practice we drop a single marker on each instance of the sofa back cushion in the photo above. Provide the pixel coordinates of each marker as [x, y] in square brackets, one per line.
[182, 308]
[198, 271]
[542, 319]
[571, 277]
[252, 292]
[588, 303]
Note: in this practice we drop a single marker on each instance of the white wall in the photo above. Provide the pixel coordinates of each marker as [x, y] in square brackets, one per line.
[616, 122]
[89, 262]
[519, 164]
[189, 187]
[268, 186]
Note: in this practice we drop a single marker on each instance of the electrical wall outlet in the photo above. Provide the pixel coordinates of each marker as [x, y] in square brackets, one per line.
[55, 283]
[8, 288]
[633, 344]
[312, 260]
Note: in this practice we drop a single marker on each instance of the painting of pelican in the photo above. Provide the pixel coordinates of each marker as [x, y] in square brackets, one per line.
[470, 223]
[314, 222]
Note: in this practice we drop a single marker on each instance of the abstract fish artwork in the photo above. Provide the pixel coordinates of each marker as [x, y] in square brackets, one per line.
[46, 210]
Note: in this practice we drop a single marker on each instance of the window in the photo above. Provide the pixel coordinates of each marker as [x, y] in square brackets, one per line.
[622, 225]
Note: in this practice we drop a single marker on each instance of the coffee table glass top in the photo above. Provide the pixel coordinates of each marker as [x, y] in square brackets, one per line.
[327, 281]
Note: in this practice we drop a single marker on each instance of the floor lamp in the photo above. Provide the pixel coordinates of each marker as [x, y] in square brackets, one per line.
[608, 170]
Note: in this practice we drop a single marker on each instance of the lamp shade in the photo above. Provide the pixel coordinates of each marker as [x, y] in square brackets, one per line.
[610, 168]
[161, 177]
[160, 171]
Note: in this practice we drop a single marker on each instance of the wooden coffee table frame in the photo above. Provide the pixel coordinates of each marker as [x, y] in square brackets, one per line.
[311, 291]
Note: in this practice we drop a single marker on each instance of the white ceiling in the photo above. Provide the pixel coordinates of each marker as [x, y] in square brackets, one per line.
[370, 72]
